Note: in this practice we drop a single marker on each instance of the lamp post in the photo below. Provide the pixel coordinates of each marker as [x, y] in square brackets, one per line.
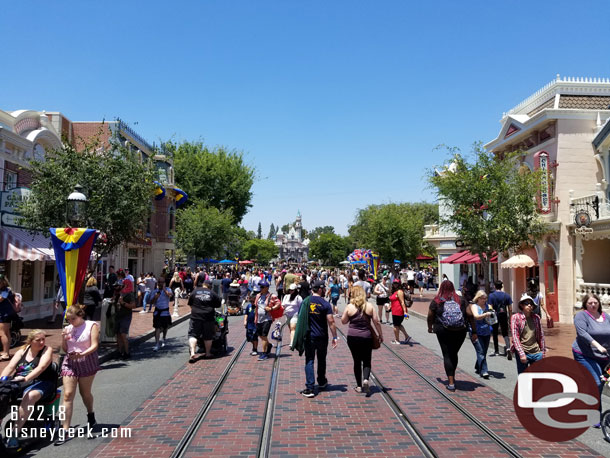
[76, 207]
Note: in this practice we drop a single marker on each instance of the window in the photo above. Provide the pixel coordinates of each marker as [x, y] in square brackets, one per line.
[171, 218]
[27, 281]
[49, 279]
[10, 180]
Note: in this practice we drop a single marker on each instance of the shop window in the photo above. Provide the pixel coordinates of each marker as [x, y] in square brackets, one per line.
[5, 268]
[49, 280]
[132, 253]
[27, 281]
[10, 180]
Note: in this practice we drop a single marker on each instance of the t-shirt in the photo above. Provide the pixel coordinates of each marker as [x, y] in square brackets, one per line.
[150, 283]
[318, 309]
[254, 283]
[250, 311]
[528, 337]
[289, 279]
[125, 311]
[500, 301]
[410, 275]
[127, 286]
[335, 290]
[365, 286]
[203, 301]
[291, 306]
[162, 302]
[304, 290]
[263, 315]
[225, 284]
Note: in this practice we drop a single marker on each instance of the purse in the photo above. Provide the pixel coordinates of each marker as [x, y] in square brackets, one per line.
[549, 321]
[376, 341]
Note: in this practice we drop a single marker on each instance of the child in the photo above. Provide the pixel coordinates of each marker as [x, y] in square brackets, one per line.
[249, 313]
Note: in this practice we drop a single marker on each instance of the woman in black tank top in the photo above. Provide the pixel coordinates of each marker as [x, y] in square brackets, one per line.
[359, 314]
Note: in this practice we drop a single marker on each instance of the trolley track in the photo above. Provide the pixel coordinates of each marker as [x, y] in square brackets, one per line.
[186, 445]
[410, 425]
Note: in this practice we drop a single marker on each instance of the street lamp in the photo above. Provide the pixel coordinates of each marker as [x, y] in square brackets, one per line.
[76, 207]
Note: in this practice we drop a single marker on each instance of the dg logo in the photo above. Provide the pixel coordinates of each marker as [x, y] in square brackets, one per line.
[556, 399]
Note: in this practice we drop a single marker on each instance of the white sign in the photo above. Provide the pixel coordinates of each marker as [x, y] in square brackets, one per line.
[10, 219]
[11, 200]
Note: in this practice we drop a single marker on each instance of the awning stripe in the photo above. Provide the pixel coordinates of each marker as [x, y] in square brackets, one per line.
[19, 245]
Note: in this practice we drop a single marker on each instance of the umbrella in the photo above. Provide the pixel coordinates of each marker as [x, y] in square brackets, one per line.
[518, 261]
[246, 262]
[227, 261]
[344, 262]
[423, 257]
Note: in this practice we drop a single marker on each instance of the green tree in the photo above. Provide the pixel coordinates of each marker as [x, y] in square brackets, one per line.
[217, 176]
[321, 230]
[330, 248]
[394, 230]
[493, 203]
[259, 231]
[204, 231]
[118, 186]
[285, 228]
[261, 250]
[272, 232]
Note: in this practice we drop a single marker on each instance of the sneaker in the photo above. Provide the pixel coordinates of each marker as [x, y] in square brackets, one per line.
[408, 340]
[156, 347]
[12, 442]
[357, 389]
[163, 344]
[485, 376]
[253, 353]
[451, 387]
[395, 342]
[495, 353]
[142, 311]
[323, 386]
[365, 386]
[308, 393]
[509, 355]
[262, 357]
[596, 426]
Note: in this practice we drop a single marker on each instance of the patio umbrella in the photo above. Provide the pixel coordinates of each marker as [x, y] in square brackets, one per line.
[246, 262]
[227, 261]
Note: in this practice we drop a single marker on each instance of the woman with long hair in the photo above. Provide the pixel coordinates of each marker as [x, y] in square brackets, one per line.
[31, 366]
[359, 313]
[481, 313]
[398, 307]
[448, 316]
[381, 291]
[292, 305]
[80, 342]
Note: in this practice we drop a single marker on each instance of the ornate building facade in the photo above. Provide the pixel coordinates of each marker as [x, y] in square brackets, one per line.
[292, 246]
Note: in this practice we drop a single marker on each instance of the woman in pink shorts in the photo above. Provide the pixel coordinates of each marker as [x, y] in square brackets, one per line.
[80, 342]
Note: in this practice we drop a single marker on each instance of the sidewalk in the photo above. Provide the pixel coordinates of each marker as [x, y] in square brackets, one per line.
[141, 329]
[558, 339]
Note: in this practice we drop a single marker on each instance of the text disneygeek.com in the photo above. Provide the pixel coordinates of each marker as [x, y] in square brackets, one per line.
[65, 434]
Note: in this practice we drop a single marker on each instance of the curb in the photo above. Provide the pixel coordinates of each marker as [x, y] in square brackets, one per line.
[138, 340]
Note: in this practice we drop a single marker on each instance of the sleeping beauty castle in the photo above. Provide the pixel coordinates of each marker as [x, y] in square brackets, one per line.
[292, 246]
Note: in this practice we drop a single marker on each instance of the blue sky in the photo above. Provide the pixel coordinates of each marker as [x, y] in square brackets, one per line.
[338, 104]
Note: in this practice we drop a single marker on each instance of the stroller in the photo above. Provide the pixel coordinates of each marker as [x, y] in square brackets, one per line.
[219, 343]
[234, 306]
[47, 416]
[16, 327]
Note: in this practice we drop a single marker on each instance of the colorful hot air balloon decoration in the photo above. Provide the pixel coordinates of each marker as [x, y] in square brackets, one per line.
[72, 247]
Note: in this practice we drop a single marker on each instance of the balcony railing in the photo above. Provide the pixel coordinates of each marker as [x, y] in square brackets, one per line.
[595, 204]
[431, 230]
[601, 290]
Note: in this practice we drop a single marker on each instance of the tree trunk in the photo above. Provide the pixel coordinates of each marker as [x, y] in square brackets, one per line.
[485, 266]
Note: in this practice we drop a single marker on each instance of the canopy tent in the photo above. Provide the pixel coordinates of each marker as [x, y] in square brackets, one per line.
[227, 261]
[423, 257]
[358, 262]
[246, 262]
[344, 262]
[517, 261]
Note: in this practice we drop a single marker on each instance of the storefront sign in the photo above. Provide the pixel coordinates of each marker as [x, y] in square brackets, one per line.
[544, 197]
[11, 200]
[11, 220]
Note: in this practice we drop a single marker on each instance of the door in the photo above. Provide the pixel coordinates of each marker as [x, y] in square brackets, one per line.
[550, 270]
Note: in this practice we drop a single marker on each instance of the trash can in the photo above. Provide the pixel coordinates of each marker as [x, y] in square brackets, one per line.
[106, 303]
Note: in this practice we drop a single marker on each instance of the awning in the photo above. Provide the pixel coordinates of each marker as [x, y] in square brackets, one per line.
[455, 257]
[19, 245]
[423, 257]
[475, 259]
[517, 261]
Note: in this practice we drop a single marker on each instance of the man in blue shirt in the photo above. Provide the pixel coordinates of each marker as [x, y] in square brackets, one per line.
[502, 303]
[316, 341]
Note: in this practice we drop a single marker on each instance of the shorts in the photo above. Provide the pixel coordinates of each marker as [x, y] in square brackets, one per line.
[262, 329]
[122, 325]
[251, 334]
[421, 283]
[411, 283]
[382, 300]
[161, 322]
[199, 329]
[85, 367]
[334, 300]
[397, 319]
[7, 318]
[45, 387]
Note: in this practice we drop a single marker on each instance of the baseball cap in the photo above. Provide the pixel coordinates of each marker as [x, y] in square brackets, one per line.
[207, 282]
[263, 284]
[292, 287]
[318, 284]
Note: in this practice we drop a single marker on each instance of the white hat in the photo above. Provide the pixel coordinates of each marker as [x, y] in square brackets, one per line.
[292, 287]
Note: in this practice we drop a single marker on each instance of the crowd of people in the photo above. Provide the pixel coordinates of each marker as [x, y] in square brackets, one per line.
[307, 301]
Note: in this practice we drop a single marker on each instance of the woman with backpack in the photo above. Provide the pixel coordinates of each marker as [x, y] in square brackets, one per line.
[447, 318]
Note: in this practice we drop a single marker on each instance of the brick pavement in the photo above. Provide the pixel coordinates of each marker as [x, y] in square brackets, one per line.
[489, 406]
[158, 425]
[338, 422]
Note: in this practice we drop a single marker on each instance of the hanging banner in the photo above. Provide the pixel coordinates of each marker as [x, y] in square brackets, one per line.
[181, 197]
[72, 248]
[159, 191]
